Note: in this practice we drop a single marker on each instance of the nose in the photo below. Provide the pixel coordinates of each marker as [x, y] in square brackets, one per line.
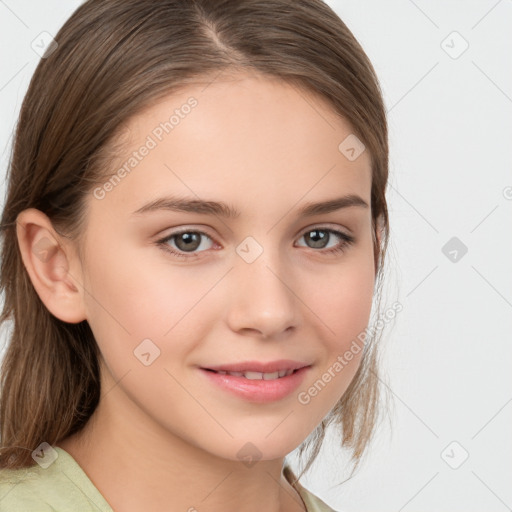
[262, 297]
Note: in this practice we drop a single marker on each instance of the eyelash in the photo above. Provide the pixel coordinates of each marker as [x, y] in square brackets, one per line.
[347, 240]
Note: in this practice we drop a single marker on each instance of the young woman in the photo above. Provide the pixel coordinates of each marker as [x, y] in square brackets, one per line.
[193, 238]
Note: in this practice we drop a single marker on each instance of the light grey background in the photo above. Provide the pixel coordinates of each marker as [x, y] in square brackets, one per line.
[448, 354]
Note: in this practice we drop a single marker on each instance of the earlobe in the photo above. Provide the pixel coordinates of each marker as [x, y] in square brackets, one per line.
[51, 265]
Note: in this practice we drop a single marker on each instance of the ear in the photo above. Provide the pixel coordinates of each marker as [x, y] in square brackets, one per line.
[52, 264]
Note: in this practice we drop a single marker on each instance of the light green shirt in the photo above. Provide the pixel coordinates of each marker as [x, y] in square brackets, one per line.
[64, 487]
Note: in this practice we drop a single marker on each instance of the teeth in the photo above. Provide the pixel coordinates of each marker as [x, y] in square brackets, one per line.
[259, 375]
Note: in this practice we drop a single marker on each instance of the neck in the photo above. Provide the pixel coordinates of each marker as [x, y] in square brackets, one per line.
[137, 466]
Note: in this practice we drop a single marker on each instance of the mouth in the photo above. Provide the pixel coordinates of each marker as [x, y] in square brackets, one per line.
[276, 383]
[252, 375]
[258, 370]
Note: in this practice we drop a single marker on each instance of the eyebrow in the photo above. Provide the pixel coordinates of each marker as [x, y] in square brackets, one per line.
[180, 204]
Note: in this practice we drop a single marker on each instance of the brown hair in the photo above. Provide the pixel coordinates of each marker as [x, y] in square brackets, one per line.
[113, 59]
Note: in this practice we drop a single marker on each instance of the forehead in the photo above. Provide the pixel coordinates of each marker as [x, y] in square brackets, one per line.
[246, 139]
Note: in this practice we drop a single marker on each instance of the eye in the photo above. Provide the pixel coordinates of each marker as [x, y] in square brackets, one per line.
[187, 242]
[319, 237]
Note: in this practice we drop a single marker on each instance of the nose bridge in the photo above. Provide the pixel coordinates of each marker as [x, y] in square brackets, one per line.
[262, 294]
[262, 268]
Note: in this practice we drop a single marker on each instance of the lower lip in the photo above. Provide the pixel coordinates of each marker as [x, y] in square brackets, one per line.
[260, 391]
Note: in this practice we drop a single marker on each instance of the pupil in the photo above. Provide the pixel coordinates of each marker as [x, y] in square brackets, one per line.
[191, 241]
[318, 239]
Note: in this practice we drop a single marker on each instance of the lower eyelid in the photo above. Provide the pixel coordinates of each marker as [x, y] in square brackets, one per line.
[345, 240]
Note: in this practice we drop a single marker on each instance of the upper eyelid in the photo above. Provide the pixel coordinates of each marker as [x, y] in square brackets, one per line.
[300, 234]
[344, 230]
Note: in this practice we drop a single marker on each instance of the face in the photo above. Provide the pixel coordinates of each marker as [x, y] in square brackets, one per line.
[171, 293]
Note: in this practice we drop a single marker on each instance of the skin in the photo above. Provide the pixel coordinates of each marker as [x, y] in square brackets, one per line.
[162, 434]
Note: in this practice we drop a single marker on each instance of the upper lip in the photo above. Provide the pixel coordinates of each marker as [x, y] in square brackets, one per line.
[258, 366]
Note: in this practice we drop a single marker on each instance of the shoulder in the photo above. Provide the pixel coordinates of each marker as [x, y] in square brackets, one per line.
[28, 489]
[62, 486]
[313, 503]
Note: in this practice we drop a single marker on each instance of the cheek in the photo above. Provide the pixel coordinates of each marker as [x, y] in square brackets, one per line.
[140, 293]
[342, 294]
[343, 302]
[344, 310]
[348, 304]
[144, 297]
